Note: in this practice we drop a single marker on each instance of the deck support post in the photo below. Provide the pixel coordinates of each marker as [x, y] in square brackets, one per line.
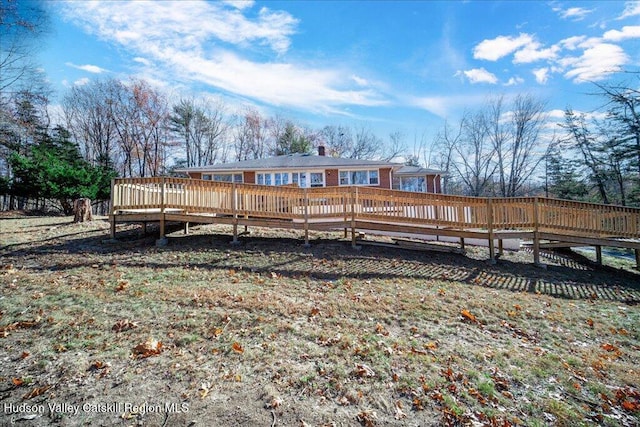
[462, 243]
[354, 201]
[186, 227]
[235, 214]
[598, 254]
[637, 252]
[112, 211]
[492, 249]
[306, 218]
[500, 246]
[536, 233]
[144, 228]
[112, 229]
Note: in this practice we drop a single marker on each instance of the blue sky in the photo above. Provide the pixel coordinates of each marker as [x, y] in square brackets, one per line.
[388, 65]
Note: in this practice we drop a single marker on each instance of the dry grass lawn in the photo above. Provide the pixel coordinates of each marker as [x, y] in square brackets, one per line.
[269, 333]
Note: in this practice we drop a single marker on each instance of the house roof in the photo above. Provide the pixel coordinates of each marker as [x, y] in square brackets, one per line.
[292, 162]
[417, 170]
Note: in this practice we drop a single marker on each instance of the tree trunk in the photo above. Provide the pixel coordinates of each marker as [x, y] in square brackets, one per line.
[82, 210]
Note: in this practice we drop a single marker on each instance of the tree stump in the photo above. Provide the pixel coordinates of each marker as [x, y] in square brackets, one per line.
[82, 210]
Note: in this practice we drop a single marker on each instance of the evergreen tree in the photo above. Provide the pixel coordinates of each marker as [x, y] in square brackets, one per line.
[55, 169]
[292, 141]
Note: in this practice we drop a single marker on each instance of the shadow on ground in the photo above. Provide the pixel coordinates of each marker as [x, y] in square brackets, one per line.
[325, 259]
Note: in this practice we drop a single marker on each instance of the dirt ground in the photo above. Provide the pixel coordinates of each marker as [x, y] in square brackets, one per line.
[270, 332]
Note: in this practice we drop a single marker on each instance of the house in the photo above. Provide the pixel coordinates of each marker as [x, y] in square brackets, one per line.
[308, 170]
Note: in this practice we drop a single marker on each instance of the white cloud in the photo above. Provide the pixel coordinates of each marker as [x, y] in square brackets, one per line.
[514, 81]
[631, 8]
[573, 13]
[479, 75]
[240, 4]
[628, 32]
[143, 61]
[188, 41]
[183, 24]
[94, 69]
[501, 46]
[81, 82]
[444, 106]
[596, 63]
[532, 52]
[572, 43]
[359, 80]
[541, 74]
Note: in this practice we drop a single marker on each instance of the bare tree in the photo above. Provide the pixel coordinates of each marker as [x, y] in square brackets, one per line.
[396, 147]
[444, 148]
[22, 24]
[580, 137]
[366, 145]
[252, 133]
[202, 127]
[474, 163]
[337, 140]
[516, 139]
[87, 114]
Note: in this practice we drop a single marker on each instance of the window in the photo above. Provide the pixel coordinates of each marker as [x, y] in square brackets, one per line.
[364, 177]
[206, 177]
[413, 183]
[299, 178]
[344, 178]
[267, 179]
[281, 178]
[373, 177]
[260, 179]
[224, 177]
[317, 179]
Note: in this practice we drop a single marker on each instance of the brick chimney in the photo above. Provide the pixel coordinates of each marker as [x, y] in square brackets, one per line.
[321, 150]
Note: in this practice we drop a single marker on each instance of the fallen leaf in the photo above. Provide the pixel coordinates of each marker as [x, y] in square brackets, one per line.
[590, 323]
[17, 382]
[204, 389]
[121, 286]
[381, 330]
[149, 348]
[36, 392]
[367, 418]
[363, 370]
[237, 348]
[609, 347]
[466, 314]
[123, 325]
[399, 412]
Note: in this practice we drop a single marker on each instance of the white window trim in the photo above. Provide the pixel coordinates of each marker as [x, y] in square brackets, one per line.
[290, 177]
[368, 171]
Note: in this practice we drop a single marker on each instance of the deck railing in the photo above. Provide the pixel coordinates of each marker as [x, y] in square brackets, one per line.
[537, 214]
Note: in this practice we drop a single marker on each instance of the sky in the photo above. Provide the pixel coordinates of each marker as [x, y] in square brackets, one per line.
[388, 65]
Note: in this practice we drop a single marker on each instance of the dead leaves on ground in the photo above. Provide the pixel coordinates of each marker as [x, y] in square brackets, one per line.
[23, 324]
[35, 392]
[237, 348]
[149, 348]
[469, 317]
[123, 325]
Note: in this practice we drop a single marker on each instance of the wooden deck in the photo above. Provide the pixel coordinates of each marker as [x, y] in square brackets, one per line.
[547, 222]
